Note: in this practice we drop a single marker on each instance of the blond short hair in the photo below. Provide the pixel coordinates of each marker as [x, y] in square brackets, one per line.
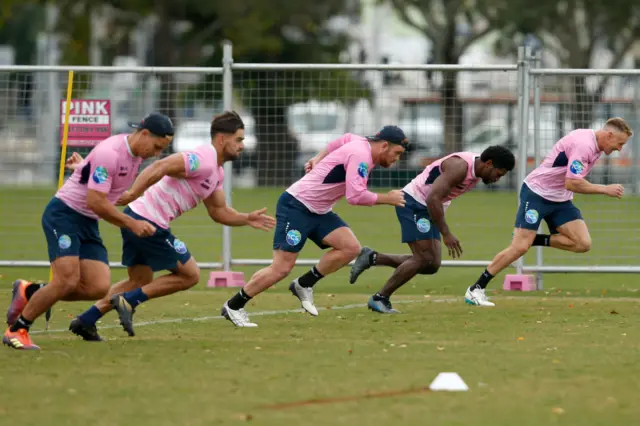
[620, 125]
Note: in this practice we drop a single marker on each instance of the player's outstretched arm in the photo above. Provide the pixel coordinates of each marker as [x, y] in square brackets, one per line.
[173, 165]
[395, 197]
[581, 186]
[453, 172]
[98, 203]
[103, 169]
[356, 191]
[220, 212]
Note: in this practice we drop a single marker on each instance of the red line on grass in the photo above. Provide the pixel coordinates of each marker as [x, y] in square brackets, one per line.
[340, 399]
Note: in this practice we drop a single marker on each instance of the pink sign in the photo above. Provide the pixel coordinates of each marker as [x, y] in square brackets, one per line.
[89, 121]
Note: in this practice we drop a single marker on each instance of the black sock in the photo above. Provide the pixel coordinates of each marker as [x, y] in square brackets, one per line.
[482, 281]
[372, 258]
[310, 278]
[542, 240]
[21, 323]
[31, 289]
[238, 300]
[378, 296]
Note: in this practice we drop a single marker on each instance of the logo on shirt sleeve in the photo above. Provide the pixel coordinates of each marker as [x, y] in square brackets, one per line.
[363, 169]
[576, 167]
[100, 175]
[194, 163]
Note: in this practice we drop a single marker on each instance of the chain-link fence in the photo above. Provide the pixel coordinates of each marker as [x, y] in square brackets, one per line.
[31, 119]
[586, 99]
[291, 111]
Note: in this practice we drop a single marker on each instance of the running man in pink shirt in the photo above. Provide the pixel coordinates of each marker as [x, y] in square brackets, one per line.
[163, 192]
[547, 194]
[422, 219]
[70, 224]
[304, 212]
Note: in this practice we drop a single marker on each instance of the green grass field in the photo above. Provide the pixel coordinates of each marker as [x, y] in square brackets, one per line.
[566, 355]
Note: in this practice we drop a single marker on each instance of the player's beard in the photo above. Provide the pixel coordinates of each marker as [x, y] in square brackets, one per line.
[231, 157]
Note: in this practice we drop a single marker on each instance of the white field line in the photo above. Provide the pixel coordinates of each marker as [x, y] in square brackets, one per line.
[251, 314]
[352, 306]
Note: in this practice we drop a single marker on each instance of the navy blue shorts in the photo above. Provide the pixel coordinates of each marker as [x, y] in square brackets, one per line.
[295, 223]
[534, 208]
[161, 251]
[415, 222]
[70, 233]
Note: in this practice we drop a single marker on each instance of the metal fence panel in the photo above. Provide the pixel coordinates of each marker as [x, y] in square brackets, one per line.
[30, 139]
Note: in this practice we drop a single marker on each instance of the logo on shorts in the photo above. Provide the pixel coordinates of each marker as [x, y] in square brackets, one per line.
[363, 169]
[531, 216]
[423, 225]
[294, 237]
[576, 167]
[100, 175]
[179, 246]
[194, 163]
[64, 242]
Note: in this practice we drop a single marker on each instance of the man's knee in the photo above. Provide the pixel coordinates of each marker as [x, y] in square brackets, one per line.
[582, 244]
[429, 268]
[66, 276]
[190, 277]
[351, 250]
[100, 288]
[282, 267]
[520, 247]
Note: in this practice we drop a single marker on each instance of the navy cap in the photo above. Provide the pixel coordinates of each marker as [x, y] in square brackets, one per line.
[156, 123]
[391, 134]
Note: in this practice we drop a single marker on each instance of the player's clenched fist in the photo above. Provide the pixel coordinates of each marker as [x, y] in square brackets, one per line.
[73, 161]
[396, 198]
[142, 228]
[615, 190]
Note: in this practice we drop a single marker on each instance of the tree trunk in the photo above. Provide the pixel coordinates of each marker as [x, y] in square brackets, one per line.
[451, 105]
[163, 55]
[452, 111]
[277, 149]
[168, 91]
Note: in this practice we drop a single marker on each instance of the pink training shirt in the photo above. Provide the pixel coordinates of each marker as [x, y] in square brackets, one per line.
[344, 172]
[572, 157]
[420, 187]
[169, 198]
[109, 168]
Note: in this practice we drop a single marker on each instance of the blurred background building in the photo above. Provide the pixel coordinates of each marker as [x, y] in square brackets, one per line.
[290, 115]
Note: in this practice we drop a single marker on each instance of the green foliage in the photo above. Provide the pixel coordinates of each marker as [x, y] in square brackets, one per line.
[278, 31]
[20, 22]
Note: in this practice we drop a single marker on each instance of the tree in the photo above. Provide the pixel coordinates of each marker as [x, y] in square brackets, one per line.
[573, 30]
[19, 26]
[280, 32]
[451, 26]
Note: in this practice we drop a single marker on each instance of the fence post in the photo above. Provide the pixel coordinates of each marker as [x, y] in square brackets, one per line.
[535, 80]
[227, 98]
[523, 100]
[522, 167]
